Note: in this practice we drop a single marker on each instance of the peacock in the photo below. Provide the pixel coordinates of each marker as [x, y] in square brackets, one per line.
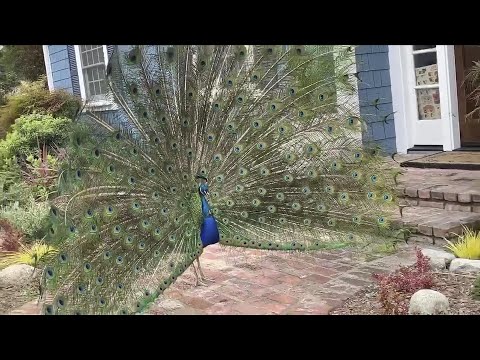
[247, 146]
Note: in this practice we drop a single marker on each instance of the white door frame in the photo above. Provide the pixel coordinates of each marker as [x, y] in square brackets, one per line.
[404, 99]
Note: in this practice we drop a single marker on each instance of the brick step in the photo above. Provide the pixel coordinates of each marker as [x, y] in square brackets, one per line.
[438, 223]
[445, 196]
[439, 204]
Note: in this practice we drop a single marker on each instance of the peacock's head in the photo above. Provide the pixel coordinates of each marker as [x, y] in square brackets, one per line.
[202, 178]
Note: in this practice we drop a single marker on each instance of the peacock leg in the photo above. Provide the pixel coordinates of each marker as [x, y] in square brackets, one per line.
[198, 281]
[202, 276]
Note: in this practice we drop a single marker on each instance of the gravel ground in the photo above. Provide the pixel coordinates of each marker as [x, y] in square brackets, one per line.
[13, 296]
[455, 287]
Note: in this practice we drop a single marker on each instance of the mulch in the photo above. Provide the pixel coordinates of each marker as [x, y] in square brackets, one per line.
[456, 287]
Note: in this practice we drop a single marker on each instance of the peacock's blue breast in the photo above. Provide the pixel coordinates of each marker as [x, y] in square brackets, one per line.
[209, 231]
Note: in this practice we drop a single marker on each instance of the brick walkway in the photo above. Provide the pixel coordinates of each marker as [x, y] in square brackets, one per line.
[267, 282]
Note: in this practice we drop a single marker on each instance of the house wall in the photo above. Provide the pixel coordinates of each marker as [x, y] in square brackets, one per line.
[375, 95]
[63, 68]
[374, 87]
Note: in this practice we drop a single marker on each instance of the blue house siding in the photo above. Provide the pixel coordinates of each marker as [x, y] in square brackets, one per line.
[60, 67]
[375, 95]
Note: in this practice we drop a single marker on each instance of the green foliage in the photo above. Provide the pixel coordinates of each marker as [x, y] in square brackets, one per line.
[10, 181]
[34, 97]
[8, 81]
[17, 63]
[26, 61]
[31, 130]
[472, 81]
[33, 255]
[30, 218]
[467, 245]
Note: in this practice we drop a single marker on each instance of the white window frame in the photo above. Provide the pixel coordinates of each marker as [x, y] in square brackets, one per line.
[107, 104]
[404, 99]
[48, 66]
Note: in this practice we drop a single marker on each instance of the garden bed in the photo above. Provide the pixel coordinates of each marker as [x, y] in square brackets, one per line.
[456, 287]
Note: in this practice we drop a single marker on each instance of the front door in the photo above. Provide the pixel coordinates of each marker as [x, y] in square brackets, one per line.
[465, 55]
[426, 115]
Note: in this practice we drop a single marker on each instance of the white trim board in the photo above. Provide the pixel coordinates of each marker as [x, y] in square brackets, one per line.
[48, 66]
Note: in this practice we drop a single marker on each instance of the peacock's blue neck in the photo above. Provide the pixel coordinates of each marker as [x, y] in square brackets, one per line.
[203, 191]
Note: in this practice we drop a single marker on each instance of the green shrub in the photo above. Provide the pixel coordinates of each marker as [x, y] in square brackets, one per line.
[26, 61]
[34, 97]
[30, 131]
[31, 219]
[8, 81]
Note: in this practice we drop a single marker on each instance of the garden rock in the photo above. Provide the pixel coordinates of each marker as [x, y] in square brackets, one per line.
[438, 259]
[465, 266]
[428, 302]
[16, 275]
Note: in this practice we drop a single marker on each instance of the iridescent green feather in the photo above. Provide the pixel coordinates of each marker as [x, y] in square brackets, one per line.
[272, 127]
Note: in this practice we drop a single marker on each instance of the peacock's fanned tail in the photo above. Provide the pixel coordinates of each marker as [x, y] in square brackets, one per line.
[272, 128]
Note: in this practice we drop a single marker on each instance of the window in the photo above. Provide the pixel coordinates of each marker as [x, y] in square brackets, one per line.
[426, 82]
[92, 66]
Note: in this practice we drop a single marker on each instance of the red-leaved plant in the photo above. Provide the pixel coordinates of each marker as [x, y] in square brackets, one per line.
[10, 238]
[396, 287]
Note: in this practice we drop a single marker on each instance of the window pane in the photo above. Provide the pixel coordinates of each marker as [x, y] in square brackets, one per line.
[94, 76]
[428, 104]
[101, 72]
[89, 76]
[89, 58]
[426, 69]
[103, 87]
[91, 88]
[97, 88]
[422, 47]
[95, 57]
[100, 54]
